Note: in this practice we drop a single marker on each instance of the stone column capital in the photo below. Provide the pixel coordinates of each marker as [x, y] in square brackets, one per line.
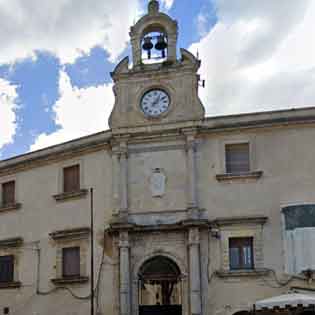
[124, 240]
[193, 236]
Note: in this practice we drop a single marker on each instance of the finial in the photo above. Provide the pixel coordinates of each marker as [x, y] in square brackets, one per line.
[153, 7]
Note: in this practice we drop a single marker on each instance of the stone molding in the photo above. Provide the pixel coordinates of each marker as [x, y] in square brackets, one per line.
[242, 273]
[11, 242]
[239, 220]
[71, 195]
[237, 177]
[15, 206]
[10, 285]
[70, 234]
[182, 225]
[68, 281]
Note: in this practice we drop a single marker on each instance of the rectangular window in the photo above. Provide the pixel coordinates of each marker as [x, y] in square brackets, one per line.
[6, 268]
[71, 178]
[8, 193]
[71, 262]
[237, 158]
[241, 253]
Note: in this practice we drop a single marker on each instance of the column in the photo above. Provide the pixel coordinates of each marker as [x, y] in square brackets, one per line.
[194, 271]
[124, 269]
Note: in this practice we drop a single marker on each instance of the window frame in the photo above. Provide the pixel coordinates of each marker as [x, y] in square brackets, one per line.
[77, 184]
[11, 260]
[228, 164]
[241, 243]
[77, 251]
[3, 197]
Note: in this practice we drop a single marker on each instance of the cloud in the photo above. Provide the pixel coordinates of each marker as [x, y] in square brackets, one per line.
[167, 3]
[66, 28]
[78, 112]
[8, 100]
[259, 56]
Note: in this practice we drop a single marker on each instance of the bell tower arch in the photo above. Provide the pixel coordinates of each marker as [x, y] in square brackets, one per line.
[166, 30]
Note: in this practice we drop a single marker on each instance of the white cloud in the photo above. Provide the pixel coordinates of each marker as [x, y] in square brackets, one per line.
[259, 56]
[202, 23]
[167, 3]
[78, 112]
[8, 99]
[65, 28]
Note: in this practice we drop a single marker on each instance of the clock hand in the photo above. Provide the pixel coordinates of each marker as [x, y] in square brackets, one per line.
[156, 101]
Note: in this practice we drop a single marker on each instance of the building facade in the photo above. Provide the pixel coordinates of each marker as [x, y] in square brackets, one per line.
[192, 215]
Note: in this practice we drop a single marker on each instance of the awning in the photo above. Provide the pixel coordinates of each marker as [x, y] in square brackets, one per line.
[286, 300]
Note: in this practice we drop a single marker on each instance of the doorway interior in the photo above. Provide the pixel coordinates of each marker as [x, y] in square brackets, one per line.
[160, 287]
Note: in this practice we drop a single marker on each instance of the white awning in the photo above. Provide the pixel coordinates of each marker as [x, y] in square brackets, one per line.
[287, 300]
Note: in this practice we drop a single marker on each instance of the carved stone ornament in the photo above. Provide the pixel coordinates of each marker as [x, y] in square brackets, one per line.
[157, 183]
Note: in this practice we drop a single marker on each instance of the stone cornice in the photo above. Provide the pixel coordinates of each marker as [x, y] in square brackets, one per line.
[279, 118]
[137, 134]
[182, 225]
[239, 220]
[56, 153]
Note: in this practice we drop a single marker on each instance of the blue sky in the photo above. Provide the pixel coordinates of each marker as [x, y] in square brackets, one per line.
[56, 57]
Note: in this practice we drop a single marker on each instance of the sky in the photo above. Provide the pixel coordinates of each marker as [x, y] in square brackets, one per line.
[56, 56]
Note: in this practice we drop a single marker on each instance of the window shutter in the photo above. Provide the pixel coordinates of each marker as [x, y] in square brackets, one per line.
[237, 158]
[71, 262]
[71, 178]
[6, 268]
[8, 193]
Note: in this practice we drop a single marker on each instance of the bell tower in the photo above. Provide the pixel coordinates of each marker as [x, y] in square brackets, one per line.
[158, 86]
[154, 32]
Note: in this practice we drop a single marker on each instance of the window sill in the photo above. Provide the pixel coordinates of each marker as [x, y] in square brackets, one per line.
[10, 285]
[242, 273]
[241, 176]
[72, 280]
[14, 206]
[71, 195]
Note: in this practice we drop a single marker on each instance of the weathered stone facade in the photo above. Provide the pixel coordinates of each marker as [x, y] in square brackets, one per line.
[161, 189]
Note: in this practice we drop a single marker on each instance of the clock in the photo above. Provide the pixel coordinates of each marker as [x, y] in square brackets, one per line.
[155, 102]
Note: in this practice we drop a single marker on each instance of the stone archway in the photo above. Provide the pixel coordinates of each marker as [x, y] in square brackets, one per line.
[160, 287]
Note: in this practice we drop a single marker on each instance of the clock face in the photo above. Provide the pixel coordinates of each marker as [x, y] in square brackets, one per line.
[155, 102]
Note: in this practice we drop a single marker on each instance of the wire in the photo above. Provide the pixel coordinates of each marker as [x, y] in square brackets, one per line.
[279, 282]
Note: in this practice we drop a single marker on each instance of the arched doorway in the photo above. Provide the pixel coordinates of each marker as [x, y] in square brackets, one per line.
[160, 290]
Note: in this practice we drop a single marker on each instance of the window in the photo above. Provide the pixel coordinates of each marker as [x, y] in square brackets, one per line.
[71, 262]
[299, 237]
[8, 193]
[6, 268]
[237, 158]
[241, 253]
[71, 178]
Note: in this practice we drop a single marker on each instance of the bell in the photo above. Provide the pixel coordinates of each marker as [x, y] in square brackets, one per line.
[147, 45]
[161, 44]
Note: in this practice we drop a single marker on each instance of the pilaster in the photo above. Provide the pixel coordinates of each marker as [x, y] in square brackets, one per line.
[192, 202]
[194, 271]
[124, 268]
